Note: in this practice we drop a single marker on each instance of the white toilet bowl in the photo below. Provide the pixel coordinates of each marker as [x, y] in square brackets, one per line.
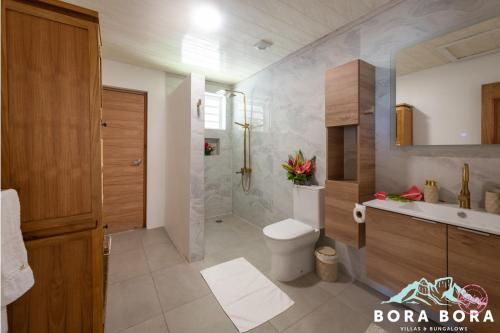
[292, 244]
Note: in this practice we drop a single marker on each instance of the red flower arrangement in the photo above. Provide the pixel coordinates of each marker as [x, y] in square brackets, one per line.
[299, 170]
[209, 148]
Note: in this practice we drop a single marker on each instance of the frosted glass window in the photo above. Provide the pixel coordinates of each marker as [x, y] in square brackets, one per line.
[215, 111]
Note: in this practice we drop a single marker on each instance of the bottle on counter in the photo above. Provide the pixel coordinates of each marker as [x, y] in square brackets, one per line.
[431, 191]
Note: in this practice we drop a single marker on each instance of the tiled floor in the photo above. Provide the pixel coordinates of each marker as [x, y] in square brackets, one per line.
[153, 289]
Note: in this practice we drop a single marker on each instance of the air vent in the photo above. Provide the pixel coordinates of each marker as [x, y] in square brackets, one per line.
[263, 44]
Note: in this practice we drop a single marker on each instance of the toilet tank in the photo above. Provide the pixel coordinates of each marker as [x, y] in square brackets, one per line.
[308, 205]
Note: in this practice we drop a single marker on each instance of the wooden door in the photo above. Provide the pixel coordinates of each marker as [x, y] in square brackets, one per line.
[473, 259]
[124, 156]
[490, 117]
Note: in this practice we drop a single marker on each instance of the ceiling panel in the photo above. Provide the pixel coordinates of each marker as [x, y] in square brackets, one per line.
[159, 33]
[461, 44]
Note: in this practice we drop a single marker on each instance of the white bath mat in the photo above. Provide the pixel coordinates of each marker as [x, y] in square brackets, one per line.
[245, 294]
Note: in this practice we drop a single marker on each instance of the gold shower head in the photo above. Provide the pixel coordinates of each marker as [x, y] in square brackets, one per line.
[229, 93]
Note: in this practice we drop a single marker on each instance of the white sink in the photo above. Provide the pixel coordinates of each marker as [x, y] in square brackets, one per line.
[444, 213]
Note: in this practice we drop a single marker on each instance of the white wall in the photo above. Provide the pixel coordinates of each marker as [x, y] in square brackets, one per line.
[177, 170]
[122, 75]
[447, 100]
[184, 200]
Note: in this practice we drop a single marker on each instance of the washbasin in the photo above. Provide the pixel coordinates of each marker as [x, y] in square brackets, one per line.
[444, 213]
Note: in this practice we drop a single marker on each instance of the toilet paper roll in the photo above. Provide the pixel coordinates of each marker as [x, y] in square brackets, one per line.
[358, 213]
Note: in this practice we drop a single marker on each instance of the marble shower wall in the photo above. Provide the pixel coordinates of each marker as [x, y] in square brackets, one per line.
[290, 94]
[218, 168]
[218, 173]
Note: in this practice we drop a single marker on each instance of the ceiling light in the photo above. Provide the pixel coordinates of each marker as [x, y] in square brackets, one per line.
[206, 18]
[263, 44]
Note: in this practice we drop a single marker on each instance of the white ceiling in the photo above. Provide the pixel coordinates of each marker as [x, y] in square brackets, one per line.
[159, 34]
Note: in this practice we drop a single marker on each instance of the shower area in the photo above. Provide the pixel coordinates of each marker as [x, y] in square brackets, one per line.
[235, 170]
[227, 168]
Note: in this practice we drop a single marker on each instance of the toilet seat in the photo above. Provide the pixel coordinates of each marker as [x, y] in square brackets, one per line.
[287, 229]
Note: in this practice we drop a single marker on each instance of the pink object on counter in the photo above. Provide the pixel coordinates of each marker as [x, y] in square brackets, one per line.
[414, 193]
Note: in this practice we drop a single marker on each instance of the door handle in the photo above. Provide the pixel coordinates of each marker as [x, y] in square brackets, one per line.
[137, 162]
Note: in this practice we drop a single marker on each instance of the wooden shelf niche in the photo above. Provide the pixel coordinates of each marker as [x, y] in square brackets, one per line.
[350, 125]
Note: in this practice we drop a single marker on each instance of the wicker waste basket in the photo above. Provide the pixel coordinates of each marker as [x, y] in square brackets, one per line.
[326, 263]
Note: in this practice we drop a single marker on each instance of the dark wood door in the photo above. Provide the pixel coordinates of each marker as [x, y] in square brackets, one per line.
[124, 156]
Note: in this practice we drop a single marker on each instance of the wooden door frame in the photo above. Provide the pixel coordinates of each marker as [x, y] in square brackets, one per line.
[145, 161]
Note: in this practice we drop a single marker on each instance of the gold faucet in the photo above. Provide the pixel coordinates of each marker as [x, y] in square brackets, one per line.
[464, 196]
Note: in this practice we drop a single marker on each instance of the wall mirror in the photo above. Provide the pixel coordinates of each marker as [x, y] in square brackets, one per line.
[448, 88]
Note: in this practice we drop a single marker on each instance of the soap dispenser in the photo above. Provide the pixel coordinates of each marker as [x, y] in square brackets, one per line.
[431, 191]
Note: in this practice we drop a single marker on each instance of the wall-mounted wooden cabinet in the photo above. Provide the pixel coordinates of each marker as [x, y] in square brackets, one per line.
[404, 125]
[350, 126]
[490, 114]
[340, 197]
[349, 92]
[51, 154]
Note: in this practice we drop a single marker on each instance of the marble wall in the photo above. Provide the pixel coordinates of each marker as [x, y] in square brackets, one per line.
[197, 171]
[291, 94]
[218, 173]
[218, 168]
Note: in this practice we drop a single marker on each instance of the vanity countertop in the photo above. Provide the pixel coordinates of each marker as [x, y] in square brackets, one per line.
[443, 213]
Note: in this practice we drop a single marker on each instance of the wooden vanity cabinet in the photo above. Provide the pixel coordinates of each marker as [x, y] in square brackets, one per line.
[474, 258]
[401, 249]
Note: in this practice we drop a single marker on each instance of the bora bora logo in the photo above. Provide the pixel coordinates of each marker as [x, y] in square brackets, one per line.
[471, 300]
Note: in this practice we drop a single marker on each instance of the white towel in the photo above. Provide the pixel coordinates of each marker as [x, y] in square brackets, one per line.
[17, 277]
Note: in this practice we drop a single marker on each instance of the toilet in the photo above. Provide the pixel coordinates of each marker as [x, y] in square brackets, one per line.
[292, 241]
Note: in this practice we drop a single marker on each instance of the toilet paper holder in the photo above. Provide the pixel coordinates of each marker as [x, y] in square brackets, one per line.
[359, 213]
